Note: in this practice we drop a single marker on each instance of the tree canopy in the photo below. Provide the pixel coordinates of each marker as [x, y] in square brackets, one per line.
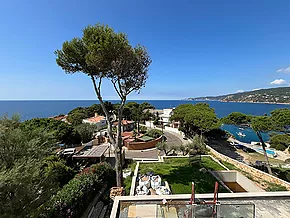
[280, 141]
[76, 115]
[237, 118]
[198, 118]
[63, 132]
[279, 120]
[103, 54]
[86, 131]
[28, 177]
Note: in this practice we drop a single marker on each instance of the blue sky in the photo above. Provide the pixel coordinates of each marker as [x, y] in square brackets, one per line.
[198, 48]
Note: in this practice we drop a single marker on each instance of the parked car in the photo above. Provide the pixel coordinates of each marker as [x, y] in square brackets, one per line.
[67, 151]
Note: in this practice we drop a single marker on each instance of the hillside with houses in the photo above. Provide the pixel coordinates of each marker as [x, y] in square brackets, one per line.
[279, 95]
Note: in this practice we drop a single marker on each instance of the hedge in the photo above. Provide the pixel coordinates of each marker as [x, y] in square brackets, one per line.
[154, 133]
[72, 200]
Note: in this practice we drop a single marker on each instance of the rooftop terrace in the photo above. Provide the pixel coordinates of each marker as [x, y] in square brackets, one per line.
[232, 205]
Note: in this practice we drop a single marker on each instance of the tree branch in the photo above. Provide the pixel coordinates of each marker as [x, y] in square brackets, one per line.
[114, 84]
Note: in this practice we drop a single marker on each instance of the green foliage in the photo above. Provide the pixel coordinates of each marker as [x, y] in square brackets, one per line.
[281, 118]
[103, 54]
[28, 176]
[16, 144]
[156, 121]
[137, 112]
[272, 187]
[63, 132]
[198, 118]
[143, 129]
[262, 124]
[154, 133]
[86, 131]
[30, 183]
[76, 116]
[280, 141]
[237, 118]
[166, 148]
[74, 197]
[197, 146]
[55, 170]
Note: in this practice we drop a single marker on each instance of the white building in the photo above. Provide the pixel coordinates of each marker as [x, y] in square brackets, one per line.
[99, 121]
[165, 116]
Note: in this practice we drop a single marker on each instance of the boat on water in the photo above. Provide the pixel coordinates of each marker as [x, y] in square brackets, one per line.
[241, 134]
[241, 128]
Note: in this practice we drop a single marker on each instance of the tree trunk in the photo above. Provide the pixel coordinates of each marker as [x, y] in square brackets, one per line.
[118, 149]
[117, 144]
[265, 153]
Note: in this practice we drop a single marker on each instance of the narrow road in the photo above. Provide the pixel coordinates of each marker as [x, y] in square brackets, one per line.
[174, 138]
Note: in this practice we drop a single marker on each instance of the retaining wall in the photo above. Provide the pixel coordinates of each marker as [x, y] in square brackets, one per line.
[255, 172]
[235, 176]
[142, 145]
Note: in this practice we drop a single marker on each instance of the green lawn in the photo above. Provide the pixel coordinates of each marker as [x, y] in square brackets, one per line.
[128, 180]
[179, 174]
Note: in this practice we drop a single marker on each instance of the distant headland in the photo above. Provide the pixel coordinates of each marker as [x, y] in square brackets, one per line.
[279, 95]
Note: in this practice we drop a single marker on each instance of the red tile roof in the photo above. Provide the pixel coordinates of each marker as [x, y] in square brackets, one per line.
[124, 122]
[59, 117]
[95, 119]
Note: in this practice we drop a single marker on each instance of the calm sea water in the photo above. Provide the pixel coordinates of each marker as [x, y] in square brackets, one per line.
[32, 109]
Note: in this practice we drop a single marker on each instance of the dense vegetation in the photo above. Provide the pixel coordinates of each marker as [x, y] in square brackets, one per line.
[195, 119]
[77, 115]
[73, 199]
[28, 174]
[154, 133]
[63, 132]
[280, 141]
[273, 95]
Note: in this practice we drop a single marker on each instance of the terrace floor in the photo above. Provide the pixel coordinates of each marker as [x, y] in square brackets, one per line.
[232, 205]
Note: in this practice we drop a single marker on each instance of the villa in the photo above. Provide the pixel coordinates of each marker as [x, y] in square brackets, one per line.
[99, 121]
[126, 125]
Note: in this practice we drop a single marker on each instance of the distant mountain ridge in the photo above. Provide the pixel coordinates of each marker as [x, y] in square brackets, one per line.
[279, 95]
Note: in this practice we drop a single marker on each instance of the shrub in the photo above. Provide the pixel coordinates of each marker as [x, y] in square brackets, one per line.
[142, 129]
[156, 121]
[154, 133]
[74, 197]
[280, 141]
[287, 160]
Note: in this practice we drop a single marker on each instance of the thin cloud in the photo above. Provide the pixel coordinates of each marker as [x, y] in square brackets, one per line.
[256, 89]
[284, 70]
[278, 82]
[239, 91]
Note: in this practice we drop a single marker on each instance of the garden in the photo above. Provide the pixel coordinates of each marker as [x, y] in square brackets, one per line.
[181, 172]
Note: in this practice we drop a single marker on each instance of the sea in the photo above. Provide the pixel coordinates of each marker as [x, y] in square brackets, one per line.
[47, 108]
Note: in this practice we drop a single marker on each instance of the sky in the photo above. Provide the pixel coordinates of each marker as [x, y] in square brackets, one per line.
[197, 47]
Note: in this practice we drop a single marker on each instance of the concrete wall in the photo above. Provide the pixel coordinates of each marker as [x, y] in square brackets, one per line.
[247, 184]
[235, 176]
[255, 172]
[142, 145]
[226, 176]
